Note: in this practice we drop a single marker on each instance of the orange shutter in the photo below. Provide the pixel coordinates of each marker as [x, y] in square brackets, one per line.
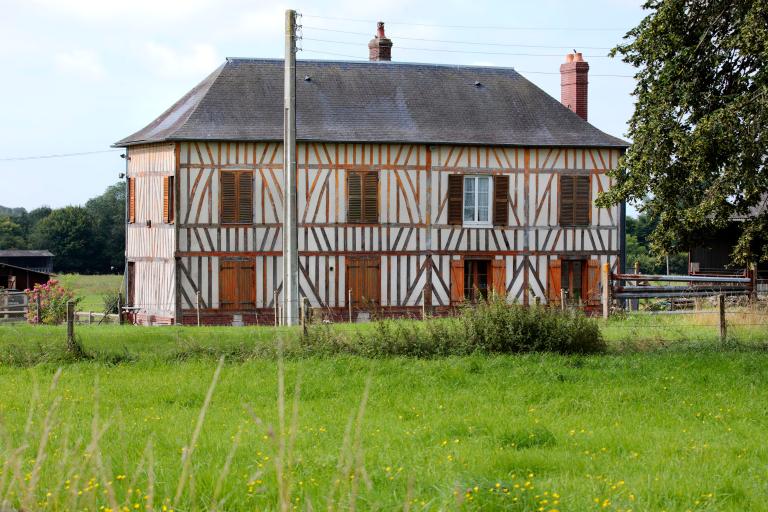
[500, 203]
[499, 277]
[554, 281]
[166, 200]
[354, 197]
[131, 200]
[457, 281]
[593, 281]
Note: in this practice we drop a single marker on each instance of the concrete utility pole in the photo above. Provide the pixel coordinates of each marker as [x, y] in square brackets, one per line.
[290, 215]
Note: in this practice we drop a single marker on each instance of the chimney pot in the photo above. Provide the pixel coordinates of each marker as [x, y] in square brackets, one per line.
[380, 47]
[574, 74]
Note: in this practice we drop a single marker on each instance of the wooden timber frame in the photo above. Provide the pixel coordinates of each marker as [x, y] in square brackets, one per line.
[413, 241]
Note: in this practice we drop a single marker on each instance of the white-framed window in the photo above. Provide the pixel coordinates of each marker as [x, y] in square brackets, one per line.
[477, 200]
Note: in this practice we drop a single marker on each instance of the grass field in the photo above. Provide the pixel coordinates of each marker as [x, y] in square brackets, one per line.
[668, 419]
[91, 288]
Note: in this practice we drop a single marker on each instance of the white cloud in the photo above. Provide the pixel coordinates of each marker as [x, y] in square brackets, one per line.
[137, 9]
[198, 59]
[82, 63]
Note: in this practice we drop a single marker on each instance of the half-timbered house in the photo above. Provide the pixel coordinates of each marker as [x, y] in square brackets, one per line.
[417, 184]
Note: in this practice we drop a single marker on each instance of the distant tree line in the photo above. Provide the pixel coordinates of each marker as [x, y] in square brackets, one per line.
[86, 239]
[639, 231]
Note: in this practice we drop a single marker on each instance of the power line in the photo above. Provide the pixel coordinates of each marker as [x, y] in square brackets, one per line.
[447, 50]
[357, 57]
[470, 27]
[450, 41]
[56, 155]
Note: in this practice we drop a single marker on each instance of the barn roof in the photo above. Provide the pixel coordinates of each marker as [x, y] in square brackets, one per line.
[18, 253]
[373, 102]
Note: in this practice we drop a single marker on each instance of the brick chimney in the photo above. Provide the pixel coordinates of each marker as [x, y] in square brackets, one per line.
[380, 47]
[573, 83]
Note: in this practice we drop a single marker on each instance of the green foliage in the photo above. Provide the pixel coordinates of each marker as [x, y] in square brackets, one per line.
[53, 299]
[638, 248]
[700, 127]
[111, 302]
[11, 234]
[487, 327]
[69, 233]
[108, 214]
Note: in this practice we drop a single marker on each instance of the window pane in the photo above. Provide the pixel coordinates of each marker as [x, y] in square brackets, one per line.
[483, 199]
[469, 199]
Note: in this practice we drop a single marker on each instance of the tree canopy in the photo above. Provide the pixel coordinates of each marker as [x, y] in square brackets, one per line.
[700, 128]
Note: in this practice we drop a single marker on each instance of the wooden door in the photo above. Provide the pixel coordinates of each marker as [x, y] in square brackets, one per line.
[237, 285]
[364, 279]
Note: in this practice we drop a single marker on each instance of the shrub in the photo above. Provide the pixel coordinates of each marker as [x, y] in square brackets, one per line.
[53, 302]
[111, 302]
[491, 326]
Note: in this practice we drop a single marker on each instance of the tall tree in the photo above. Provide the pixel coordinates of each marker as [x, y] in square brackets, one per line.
[11, 234]
[700, 127]
[69, 234]
[108, 213]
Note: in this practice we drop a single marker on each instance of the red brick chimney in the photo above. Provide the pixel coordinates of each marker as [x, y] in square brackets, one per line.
[573, 83]
[380, 47]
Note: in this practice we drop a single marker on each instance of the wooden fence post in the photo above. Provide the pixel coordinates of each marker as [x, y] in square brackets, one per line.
[606, 278]
[71, 326]
[562, 299]
[423, 304]
[723, 326]
[277, 311]
[120, 309]
[197, 307]
[349, 303]
[38, 313]
[304, 315]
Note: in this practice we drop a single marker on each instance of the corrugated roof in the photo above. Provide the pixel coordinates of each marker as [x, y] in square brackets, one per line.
[373, 102]
[18, 253]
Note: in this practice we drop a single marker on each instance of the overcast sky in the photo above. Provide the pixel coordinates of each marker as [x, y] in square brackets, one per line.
[79, 75]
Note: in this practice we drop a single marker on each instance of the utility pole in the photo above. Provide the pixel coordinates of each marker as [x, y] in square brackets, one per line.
[290, 215]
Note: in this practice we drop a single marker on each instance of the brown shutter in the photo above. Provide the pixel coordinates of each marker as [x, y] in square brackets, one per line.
[372, 290]
[354, 197]
[455, 199]
[228, 197]
[566, 200]
[355, 279]
[499, 277]
[246, 285]
[593, 281]
[166, 209]
[554, 284]
[371, 197]
[131, 200]
[457, 281]
[500, 203]
[581, 203]
[245, 198]
[227, 285]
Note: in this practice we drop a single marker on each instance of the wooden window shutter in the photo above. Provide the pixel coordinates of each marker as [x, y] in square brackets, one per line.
[581, 203]
[457, 281]
[500, 203]
[131, 200]
[354, 197]
[593, 281]
[371, 197]
[566, 201]
[455, 201]
[372, 290]
[237, 285]
[228, 196]
[227, 285]
[168, 199]
[245, 198]
[554, 281]
[499, 277]
[246, 285]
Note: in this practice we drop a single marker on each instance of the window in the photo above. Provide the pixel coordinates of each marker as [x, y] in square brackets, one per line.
[237, 284]
[574, 200]
[474, 279]
[131, 200]
[168, 197]
[236, 197]
[578, 278]
[478, 200]
[363, 197]
[364, 279]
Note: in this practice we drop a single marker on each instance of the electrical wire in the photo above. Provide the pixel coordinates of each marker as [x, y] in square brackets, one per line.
[447, 50]
[449, 41]
[470, 27]
[56, 155]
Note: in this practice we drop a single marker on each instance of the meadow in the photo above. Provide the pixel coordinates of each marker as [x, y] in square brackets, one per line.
[668, 418]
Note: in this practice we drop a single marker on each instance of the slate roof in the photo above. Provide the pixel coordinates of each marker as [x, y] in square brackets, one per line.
[373, 102]
[18, 253]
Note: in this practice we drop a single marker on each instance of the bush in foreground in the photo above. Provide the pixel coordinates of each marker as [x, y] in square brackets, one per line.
[488, 327]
